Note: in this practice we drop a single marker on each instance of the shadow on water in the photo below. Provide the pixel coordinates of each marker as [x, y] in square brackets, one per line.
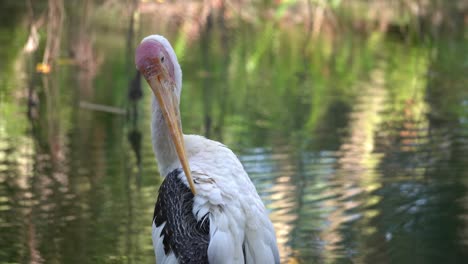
[354, 132]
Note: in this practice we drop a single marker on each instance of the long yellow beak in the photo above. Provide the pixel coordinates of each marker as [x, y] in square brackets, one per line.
[164, 90]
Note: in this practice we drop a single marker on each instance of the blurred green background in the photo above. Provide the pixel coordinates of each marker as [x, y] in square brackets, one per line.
[351, 118]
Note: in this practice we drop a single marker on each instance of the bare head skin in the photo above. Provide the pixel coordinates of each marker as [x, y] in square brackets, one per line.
[150, 54]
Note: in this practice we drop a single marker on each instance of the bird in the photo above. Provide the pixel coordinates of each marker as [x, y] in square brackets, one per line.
[207, 209]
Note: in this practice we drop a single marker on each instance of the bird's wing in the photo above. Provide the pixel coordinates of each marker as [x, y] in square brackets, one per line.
[177, 235]
[240, 230]
[158, 245]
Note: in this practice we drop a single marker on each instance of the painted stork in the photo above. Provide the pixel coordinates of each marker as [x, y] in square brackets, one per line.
[207, 210]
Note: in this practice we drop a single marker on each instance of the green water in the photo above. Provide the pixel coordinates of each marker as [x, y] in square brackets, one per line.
[357, 142]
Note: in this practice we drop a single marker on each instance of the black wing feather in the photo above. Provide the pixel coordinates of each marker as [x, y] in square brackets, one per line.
[183, 234]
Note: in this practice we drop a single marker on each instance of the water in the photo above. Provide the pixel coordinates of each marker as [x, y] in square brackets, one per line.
[357, 143]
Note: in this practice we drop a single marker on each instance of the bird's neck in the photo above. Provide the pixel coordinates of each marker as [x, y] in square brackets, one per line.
[163, 145]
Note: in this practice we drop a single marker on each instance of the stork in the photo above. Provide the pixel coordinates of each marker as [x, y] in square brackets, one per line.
[207, 210]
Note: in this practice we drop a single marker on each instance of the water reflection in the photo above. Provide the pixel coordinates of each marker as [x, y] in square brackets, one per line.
[356, 140]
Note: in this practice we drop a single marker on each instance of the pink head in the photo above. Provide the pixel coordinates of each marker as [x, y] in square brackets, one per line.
[155, 55]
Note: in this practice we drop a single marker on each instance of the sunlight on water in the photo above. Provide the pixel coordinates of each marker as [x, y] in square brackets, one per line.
[355, 135]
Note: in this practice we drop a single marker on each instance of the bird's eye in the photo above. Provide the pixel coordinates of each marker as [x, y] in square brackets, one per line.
[162, 59]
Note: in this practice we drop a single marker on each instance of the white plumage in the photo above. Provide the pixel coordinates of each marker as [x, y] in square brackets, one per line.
[239, 228]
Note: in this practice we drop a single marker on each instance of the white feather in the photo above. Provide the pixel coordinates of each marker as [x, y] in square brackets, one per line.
[161, 257]
[237, 215]
[220, 249]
